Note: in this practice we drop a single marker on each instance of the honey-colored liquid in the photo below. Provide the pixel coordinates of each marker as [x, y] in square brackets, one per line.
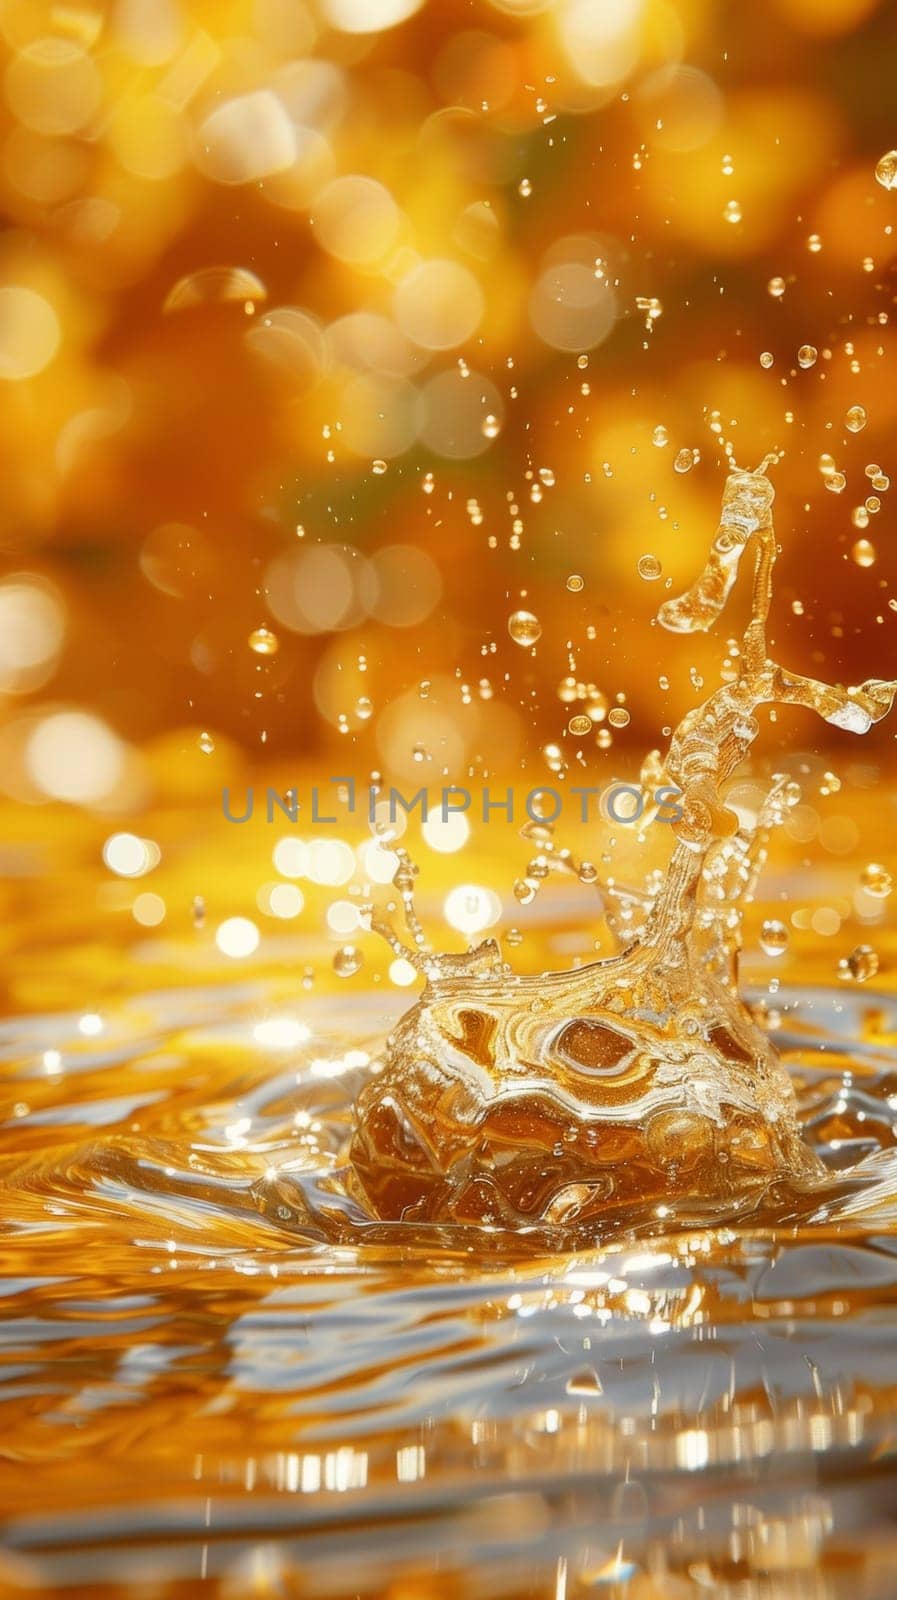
[547, 1287]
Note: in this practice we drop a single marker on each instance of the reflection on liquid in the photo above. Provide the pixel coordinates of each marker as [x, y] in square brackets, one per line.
[216, 1370]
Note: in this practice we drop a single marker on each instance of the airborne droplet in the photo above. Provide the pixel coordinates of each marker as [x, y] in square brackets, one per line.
[347, 961]
[264, 642]
[861, 964]
[773, 938]
[886, 170]
[525, 628]
[876, 880]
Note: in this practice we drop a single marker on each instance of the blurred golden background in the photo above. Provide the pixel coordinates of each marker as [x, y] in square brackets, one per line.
[334, 333]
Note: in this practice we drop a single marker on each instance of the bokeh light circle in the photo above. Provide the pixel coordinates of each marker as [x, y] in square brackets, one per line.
[439, 305]
[356, 219]
[456, 408]
[29, 332]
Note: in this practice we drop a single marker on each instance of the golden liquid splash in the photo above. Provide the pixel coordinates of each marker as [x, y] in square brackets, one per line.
[580, 1098]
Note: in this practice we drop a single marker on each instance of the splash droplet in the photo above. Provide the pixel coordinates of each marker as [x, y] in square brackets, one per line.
[886, 170]
[861, 965]
[773, 938]
[525, 628]
[347, 961]
[264, 642]
[876, 880]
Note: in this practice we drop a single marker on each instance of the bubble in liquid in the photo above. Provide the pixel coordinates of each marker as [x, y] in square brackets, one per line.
[575, 583]
[364, 707]
[618, 717]
[855, 419]
[206, 743]
[264, 642]
[732, 211]
[491, 426]
[524, 892]
[649, 568]
[773, 938]
[766, 358]
[876, 880]
[580, 725]
[861, 965]
[776, 287]
[524, 628]
[378, 468]
[685, 460]
[814, 244]
[525, 188]
[585, 1383]
[347, 961]
[660, 436]
[864, 553]
[806, 355]
[836, 482]
[886, 170]
[588, 872]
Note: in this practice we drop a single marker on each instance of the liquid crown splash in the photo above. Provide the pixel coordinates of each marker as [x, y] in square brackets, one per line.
[572, 1098]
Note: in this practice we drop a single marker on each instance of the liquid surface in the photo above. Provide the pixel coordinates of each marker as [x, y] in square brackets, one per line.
[217, 1376]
